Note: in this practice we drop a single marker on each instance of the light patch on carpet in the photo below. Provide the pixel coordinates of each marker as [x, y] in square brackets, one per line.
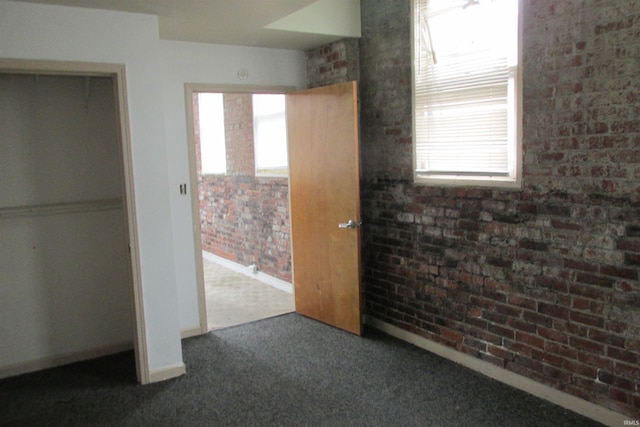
[234, 298]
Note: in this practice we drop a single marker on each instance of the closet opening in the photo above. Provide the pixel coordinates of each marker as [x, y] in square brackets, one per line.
[70, 288]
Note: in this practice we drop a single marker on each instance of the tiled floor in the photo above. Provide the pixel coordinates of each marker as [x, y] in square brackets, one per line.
[234, 298]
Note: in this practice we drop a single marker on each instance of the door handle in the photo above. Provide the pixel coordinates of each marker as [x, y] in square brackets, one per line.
[350, 224]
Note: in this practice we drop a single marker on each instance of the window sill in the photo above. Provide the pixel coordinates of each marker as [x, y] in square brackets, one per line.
[468, 181]
[270, 177]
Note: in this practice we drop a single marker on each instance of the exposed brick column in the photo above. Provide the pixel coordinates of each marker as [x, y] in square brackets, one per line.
[333, 63]
[238, 128]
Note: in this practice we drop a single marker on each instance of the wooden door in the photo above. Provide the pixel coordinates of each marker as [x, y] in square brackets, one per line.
[324, 197]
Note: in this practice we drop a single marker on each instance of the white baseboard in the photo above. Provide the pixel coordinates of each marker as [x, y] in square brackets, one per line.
[580, 406]
[62, 359]
[167, 373]
[246, 270]
[191, 332]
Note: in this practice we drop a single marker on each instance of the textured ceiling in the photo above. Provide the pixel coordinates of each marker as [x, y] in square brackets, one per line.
[286, 24]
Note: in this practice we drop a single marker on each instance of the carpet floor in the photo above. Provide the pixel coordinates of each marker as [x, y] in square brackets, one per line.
[282, 371]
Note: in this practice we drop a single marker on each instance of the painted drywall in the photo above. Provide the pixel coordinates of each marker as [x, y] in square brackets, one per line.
[60, 141]
[337, 17]
[65, 285]
[182, 63]
[32, 31]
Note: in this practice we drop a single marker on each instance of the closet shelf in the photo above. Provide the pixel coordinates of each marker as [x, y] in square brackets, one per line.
[60, 208]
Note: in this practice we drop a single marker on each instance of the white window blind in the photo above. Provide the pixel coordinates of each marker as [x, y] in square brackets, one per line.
[465, 95]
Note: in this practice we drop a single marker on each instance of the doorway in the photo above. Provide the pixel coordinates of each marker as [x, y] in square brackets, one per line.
[323, 185]
[69, 250]
[240, 203]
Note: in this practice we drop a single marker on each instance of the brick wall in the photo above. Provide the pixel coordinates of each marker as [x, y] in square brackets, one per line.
[238, 131]
[333, 63]
[543, 281]
[244, 218]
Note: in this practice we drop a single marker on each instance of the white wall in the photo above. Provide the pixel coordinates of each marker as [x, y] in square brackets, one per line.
[156, 73]
[33, 31]
[210, 64]
[65, 285]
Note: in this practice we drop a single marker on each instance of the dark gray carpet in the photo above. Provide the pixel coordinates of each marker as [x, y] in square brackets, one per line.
[283, 371]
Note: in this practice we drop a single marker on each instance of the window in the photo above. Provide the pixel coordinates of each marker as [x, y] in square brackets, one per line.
[212, 138]
[270, 135]
[467, 92]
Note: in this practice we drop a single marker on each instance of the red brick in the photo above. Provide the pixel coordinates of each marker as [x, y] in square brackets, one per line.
[592, 279]
[560, 349]
[521, 301]
[616, 326]
[488, 337]
[599, 361]
[529, 339]
[537, 319]
[547, 357]
[521, 325]
[580, 265]
[508, 310]
[518, 347]
[525, 362]
[477, 323]
[619, 395]
[629, 244]
[586, 319]
[559, 376]
[626, 299]
[590, 384]
[474, 312]
[629, 371]
[581, 303]
[624, 384]
[624, 355]
[580, 368]
[623, 273]
[563, 300]
[606, 338]
[554, 283]
[481, 302]
[339, 64]
[450, 334]
[553, 310]
[632, 259]
[552, 334]
[494, 317]
[586, 345]
[588, 292]
[501, 331]
[500, 352]
[475, 344]
[631, 345]
[499, 362]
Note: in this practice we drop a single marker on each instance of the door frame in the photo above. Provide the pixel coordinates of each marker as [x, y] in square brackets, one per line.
[189, 90]
[117, 74]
